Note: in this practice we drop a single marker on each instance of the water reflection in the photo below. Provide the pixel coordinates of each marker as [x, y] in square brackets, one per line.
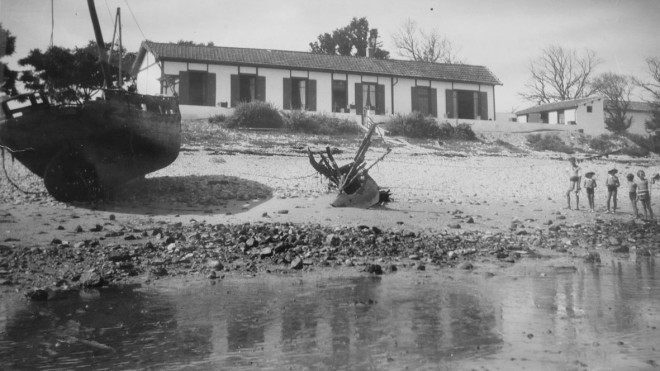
[555, 317]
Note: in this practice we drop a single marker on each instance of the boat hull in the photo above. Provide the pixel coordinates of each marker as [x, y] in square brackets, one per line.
[95, 146]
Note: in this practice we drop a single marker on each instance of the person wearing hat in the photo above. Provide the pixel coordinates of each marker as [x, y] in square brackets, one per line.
[590, 186]
[612, 187]
[632, 193]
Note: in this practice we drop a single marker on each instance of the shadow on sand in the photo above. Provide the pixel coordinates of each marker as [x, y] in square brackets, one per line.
[208, 194]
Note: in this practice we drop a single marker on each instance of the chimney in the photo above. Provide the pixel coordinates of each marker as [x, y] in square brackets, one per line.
[371, 48]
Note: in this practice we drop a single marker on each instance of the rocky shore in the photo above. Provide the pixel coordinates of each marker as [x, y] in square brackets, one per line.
[218, 212]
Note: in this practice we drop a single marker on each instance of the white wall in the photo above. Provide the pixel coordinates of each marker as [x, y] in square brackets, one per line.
[223, 82]
[147, 79]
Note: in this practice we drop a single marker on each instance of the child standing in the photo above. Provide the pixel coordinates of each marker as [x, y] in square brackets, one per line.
[574, 178]
[644, 194]
[590, 186]
[612, 187]
[632, 193]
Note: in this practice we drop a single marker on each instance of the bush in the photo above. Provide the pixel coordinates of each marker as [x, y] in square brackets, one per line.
[603, 143]
[416, 125]
[217, 119]
[549, 142]
[305, 122]
[645, 142]
[255, 114]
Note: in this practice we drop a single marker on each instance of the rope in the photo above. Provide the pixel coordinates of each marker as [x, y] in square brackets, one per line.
[135, 19]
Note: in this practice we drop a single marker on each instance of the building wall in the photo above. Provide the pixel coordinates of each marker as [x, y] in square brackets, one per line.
[147, 79]
[397, 91]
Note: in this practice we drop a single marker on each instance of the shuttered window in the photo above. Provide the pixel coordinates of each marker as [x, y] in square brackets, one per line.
[466, 104]
[247, 88]
[197, 88]
[425, 100]
[299, 94]
[371, 96]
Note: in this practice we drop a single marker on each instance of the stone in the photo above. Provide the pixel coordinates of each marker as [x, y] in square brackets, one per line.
[614, 241]
[470, 220]
[621, 249]
[78, 229]
[332, 240]
[374, 268]
[215, 265]
[467, 266]
[283, 212]
[119, 256]
[266, 252]
[454, 226]
[296, 263]
[91, 278]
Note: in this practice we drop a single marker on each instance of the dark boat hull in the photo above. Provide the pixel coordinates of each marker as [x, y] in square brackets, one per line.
[82, 150]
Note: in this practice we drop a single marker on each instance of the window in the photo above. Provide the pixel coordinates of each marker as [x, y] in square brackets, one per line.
[467, 104]
[370, 95]
[425, 100]
[197, 88]
[247, 88]
[299, 94]
[339, 96]
[589, 109]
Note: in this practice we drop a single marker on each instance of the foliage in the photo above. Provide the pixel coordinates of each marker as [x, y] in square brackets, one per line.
[355, 36]
[255, 114]
[653, 88]
[560, 74]
[616, 89]
[603, 143]
[69, 76]
[548, 142]
[219, 118]
[644, 142]
[7, 76]
[304, 122]
[416, 125]
[192, 43]
[416, 44]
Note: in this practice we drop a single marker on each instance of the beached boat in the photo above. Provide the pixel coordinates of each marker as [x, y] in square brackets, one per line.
[82, 151]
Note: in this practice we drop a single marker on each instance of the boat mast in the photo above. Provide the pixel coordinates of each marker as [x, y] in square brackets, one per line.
[100, 45]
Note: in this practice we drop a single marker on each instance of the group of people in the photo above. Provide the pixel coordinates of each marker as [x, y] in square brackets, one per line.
[639, 190]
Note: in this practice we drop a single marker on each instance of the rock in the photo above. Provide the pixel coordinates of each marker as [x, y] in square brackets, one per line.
[266, 252]
[413, 257]
[78, 229]
[592, 257]
[467, 266]
[56, 241]
[37, 295]
[215, 265]
[374, 268]
[470, 220]
[454, 226]
[547, 222]
[644, 252]
[554, 228]
[96, 228]
[119, 256]
[159, 271]
[212, 275]
[420, 267]
[251, 242]
[296, 263]
[614, 241]
[281, 247]
[112, 217]
[332, 240]
[621, 249]
[91, 278]
[283, 212]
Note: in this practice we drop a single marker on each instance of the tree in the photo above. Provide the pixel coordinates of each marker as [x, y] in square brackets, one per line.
[192, 43]
[426, 46]
[70, 76]
[7, 76]
[353, 39]
[560, 74]
[652, 87]
[616, 89]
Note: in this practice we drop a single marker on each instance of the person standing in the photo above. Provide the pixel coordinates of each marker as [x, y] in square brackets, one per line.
[590, 186]
[612, 187]
[632, 193]
[644, 194]
[574, 178]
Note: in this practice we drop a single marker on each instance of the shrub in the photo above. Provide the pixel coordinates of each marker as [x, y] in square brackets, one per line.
[603, 143]
[217, 119]
[645, 142]
[635, 151]
[549, 142]
[305, 122]
[416, 125]
[255, 114]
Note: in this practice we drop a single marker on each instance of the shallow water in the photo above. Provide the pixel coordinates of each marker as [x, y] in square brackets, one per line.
[530, 316]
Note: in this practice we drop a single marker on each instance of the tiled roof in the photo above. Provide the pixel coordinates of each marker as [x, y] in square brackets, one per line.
[320, 62]
[568, 104]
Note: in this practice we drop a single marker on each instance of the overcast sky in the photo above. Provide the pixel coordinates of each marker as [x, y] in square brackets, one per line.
[503, 35]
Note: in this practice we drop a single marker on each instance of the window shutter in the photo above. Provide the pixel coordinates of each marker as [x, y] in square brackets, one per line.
[235, 91]
[286, 104]
[261, 88]
[433, 97]
[483, 104]
[475, 100]
[358, 98]
[311, 95]
[449, 98]
[414, 100]
[184, 87]
[210, 90]
[380, 99]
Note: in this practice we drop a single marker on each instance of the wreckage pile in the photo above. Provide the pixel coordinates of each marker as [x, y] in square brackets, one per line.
[205, 249]
[354, 185]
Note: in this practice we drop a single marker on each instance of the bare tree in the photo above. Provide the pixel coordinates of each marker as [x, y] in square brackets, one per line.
[616, 89]
[652, 87]
[418, 45]
[560, 74]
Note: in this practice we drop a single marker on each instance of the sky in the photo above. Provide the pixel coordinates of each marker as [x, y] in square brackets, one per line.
[503, 35]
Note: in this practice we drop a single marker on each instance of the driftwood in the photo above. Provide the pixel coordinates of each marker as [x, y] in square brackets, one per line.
[356, 188]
